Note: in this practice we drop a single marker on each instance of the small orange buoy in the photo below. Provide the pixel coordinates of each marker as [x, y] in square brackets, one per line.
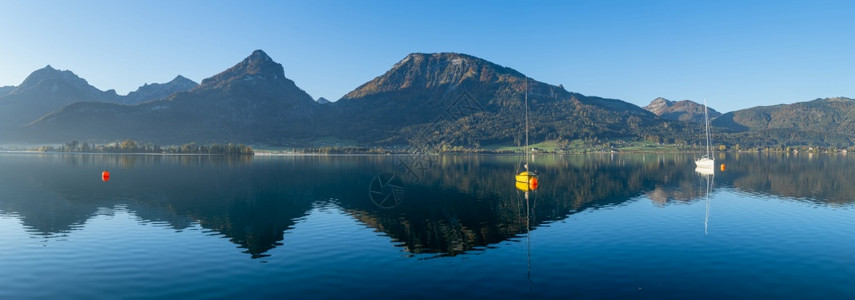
[722, 167]
[532, 183]
[105, 176]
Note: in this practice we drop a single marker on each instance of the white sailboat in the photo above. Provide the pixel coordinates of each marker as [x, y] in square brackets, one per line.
[706, 161]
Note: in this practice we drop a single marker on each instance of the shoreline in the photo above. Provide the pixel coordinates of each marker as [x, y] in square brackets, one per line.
[110, 153]
[296, 154]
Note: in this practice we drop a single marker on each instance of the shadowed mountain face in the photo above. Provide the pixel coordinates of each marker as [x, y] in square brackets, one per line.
[434, 96]
[252, 101]
[684, 110]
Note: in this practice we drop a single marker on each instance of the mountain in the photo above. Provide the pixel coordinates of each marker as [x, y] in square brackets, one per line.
[829, 114]
[5, 90]
[684, 110]
[251, 102]
[458, 99]
[159, 90]
[48, 81]
[828, 121]
[323, 100]
[46, 90]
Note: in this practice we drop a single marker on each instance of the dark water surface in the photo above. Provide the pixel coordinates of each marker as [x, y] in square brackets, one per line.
[380, 227]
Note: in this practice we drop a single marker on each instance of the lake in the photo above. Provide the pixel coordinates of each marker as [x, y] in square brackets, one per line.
[411, 226]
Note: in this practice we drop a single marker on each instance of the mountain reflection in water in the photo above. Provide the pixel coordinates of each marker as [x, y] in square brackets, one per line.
[453, 205]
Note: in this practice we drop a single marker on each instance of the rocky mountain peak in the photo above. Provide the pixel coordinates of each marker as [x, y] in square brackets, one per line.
[684, 110]
[659, 105]
[444, 70]
[257, 66]
[181, 80]
[259, 55]
[55, 81]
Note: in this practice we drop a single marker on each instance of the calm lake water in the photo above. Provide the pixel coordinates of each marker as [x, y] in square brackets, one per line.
[370, 227]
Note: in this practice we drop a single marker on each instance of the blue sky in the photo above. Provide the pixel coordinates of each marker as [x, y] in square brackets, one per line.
[736, 54]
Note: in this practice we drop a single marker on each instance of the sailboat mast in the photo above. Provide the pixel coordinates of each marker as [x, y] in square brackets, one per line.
[525, 151]
[707, 126]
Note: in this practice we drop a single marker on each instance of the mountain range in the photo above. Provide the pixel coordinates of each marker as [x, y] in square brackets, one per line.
[250, 102]
[47, 90]
[424, 100]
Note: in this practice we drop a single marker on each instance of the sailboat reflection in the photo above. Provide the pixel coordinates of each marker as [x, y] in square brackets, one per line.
[527, 202]
[708, 176]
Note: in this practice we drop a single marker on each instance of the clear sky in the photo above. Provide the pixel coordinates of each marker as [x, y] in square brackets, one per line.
[736, 54]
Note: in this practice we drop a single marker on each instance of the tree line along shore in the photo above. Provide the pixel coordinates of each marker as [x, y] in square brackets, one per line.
[131, 146]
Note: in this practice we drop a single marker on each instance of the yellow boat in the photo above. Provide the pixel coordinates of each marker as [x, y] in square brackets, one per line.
[526, 181]
[525, 176]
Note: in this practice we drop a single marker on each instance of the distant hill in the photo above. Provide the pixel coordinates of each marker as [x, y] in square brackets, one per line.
[685, 110]
[829, 114]
[252, 101]
[323, 100]
[460, 99]
[159, 90]
[822, 121]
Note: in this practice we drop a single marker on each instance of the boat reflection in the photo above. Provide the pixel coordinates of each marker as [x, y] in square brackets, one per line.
[526, 200]
[707, 178]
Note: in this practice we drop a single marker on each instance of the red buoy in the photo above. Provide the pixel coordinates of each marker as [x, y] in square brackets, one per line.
[105, 176]
[532, 183]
